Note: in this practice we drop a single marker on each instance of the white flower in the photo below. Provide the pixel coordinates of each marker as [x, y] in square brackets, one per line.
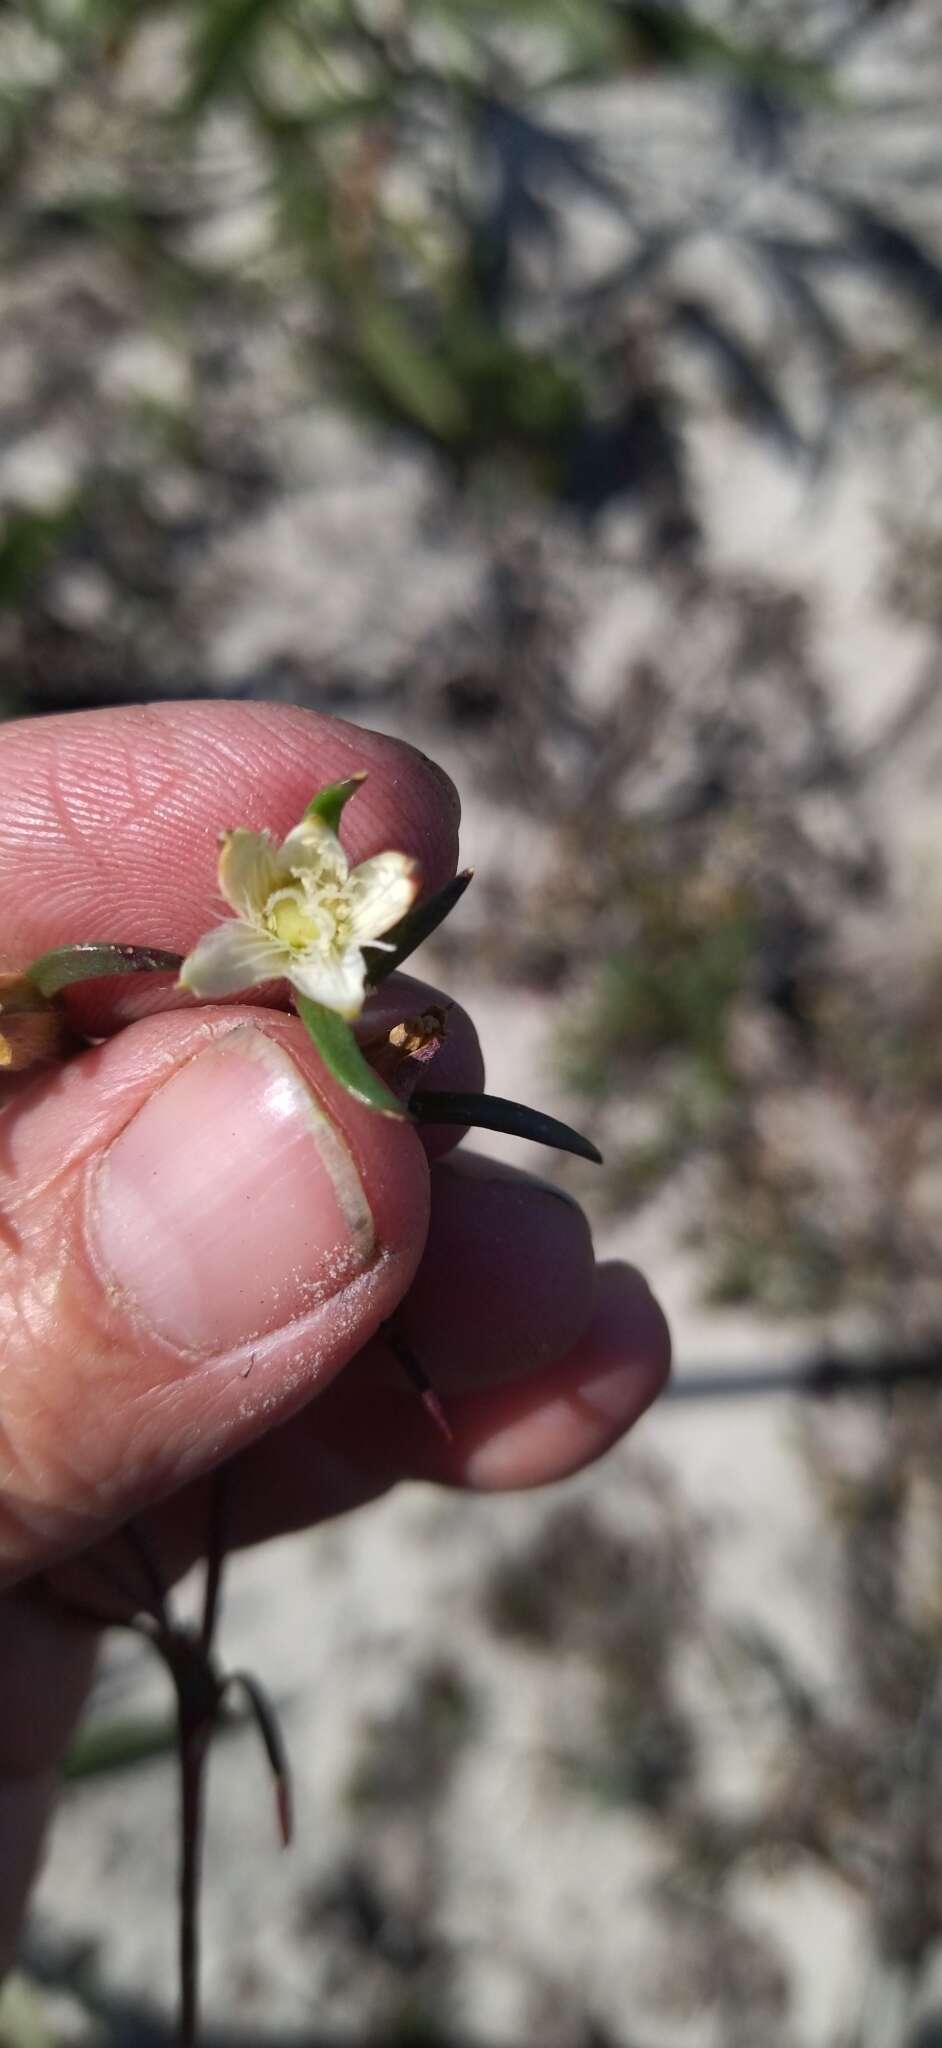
[301, 914]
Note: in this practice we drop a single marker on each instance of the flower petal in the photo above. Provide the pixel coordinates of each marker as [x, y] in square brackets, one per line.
[249, 869]
[338, 980]
[379, 893]
[231, 958]
[312, 846]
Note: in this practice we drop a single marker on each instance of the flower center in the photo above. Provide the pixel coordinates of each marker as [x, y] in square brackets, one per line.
[296, 921]
[286, 919]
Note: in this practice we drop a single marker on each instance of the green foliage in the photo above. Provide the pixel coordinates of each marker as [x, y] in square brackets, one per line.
[390, 365]
[790, 1266]
[726, 1030]
[643, 1755]
[223, 47]
[669, 991]
[407, 1758]
[90, 961]
[671, 38]
[665, 1000]
[28, 543]
[343, 1059]
[414, 165]
[622, 1605]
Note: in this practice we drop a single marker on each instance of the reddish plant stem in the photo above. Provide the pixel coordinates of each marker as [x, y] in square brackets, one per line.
[194, 1742]
[418, 1377]
[199, 1697]
[215, 1553]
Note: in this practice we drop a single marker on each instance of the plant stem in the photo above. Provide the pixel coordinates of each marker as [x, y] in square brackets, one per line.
[193, 1747]
[215, 1553]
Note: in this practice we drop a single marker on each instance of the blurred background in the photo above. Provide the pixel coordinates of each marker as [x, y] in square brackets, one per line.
[557, 384]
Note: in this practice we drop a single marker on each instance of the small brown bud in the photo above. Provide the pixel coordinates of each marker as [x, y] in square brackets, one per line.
[417, 1034]
[408, 1046]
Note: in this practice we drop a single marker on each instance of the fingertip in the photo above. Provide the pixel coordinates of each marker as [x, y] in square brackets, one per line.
[153, 785]
[624, 1366]
[629, 1318]
[505, 1285]
[548, 1429]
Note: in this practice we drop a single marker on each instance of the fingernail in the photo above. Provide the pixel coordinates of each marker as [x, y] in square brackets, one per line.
[230, 1205]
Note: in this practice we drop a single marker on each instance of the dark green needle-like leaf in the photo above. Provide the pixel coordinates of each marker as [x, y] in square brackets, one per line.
[413, 929]
[495, 1113]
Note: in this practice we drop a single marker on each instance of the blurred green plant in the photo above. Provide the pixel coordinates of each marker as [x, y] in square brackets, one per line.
[119, 1744]
[715, 1020]
[623, 1605]
[407, 1758]
[440, 215]
[653, 1024]
[23, 2021]
[415, 167]
[28, 541]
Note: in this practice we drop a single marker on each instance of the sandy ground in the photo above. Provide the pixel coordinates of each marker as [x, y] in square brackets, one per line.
[479, 1886]
[510, 1902]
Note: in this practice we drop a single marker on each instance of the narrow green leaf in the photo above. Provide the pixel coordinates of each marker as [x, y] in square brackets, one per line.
[89, 962]
[102, 1746]
[342, 1057]
[409, 372]
[116, 1745]
[495, 1113]
[328, 803]
[225, 35]
[414, 928]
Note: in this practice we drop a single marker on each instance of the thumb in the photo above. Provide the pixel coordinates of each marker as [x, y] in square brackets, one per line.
[198, 1228]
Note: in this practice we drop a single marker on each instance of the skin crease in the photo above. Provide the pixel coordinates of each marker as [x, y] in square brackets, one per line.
[108, 829]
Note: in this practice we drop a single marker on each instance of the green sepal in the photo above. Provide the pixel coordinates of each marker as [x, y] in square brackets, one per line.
[95, 959]
[329, 802]
[342, 1057]
[495, 1113]
[411, 931]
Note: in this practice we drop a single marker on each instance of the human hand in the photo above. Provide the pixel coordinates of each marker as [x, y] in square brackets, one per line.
[200, 1232]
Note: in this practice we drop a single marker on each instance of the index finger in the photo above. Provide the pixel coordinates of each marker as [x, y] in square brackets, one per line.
[109, 820]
